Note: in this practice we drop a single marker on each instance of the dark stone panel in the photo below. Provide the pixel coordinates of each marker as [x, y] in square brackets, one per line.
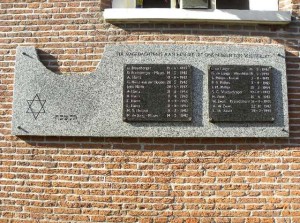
[157, 92]
[241, 94]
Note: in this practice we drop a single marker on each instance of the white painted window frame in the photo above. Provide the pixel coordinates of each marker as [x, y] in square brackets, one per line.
[261, 12]
[266, 5]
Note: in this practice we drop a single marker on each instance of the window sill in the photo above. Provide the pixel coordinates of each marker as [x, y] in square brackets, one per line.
[187, 15]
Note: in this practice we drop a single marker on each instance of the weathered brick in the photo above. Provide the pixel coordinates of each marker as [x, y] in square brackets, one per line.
[83, 179]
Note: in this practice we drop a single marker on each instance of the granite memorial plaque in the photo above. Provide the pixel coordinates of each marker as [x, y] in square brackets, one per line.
[241, 94]
[157, 92]
[48, 104]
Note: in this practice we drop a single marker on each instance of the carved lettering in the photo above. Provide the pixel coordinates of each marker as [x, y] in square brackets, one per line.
[157, 92]
[241, 94]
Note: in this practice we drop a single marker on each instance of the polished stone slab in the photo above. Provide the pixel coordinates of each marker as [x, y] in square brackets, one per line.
[157, 93]
[241, 93]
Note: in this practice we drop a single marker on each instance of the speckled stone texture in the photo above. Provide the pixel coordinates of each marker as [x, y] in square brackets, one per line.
[50, 104]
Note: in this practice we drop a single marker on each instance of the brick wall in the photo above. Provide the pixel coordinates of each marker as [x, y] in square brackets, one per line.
[73, 179]
[105, 4]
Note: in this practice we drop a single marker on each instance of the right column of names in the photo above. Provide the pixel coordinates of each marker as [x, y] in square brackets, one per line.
[241, 94]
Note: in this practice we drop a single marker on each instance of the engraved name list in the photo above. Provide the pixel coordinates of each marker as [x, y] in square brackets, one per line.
[157, 92]
[240, 94]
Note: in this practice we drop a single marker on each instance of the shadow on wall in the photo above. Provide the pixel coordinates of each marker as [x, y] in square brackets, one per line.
[49, 61]
[154, 144]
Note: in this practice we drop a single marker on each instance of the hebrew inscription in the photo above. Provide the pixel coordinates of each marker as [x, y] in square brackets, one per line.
[157, 92]
[241, 94]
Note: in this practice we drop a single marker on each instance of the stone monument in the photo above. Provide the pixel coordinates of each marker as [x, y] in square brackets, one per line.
[157, 91]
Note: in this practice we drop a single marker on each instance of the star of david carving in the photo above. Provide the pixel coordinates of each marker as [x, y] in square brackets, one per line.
[36, 106]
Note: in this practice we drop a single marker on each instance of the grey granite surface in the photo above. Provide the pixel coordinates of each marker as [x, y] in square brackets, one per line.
[49, 104]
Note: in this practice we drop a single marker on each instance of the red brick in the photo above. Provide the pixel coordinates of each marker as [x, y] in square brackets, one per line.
[82, 179]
